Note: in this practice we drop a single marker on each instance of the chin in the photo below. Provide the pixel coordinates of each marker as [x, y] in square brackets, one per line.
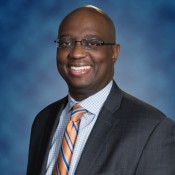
[79, 86]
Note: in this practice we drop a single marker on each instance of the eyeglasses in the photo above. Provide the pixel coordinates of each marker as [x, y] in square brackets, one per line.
[91, 43]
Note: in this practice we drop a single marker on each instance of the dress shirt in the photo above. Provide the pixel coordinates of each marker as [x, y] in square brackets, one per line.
[93, 105]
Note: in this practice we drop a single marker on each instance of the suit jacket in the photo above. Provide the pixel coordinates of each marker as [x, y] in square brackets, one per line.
[130, 137]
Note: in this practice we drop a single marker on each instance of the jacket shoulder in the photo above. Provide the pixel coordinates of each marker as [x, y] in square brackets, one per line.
[49, 111]
[137, 107]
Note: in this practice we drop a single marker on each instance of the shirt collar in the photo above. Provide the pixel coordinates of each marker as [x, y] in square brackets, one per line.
[93, 103]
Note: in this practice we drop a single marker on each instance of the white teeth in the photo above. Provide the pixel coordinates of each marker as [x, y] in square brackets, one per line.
[80, 68]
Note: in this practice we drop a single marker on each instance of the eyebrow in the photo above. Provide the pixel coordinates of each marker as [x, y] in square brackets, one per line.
[64, 36]
[86, 36]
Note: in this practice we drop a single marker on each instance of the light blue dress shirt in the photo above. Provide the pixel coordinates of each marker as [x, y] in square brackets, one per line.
[93, 105]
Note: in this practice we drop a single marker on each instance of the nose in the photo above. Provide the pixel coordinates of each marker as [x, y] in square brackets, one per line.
[77, 52]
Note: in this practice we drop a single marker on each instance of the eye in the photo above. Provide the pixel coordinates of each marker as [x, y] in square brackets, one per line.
[65, 43]
[92, 42]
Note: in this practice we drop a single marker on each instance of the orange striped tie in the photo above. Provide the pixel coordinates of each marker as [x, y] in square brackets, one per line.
[64, 157]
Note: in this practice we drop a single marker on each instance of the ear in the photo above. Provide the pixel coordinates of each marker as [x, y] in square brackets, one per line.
[115, 50]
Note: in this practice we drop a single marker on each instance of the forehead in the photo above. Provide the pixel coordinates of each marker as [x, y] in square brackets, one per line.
[84, 22]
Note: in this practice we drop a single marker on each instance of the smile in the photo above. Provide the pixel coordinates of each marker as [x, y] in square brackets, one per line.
[79, 68]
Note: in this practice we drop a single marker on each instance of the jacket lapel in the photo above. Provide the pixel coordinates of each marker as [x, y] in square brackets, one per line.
[50, 130]
[102, 129]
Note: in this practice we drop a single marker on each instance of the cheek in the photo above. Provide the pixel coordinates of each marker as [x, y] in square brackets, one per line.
[61, 63]
[61, 58]
[104, 62]
[104, 67]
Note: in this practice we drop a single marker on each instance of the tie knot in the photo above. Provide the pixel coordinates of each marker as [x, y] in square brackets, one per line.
[77, 112]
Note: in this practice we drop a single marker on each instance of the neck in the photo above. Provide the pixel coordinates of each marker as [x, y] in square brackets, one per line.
[80, 94]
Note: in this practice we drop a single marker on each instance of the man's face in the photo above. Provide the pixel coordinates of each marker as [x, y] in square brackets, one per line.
[86, 71]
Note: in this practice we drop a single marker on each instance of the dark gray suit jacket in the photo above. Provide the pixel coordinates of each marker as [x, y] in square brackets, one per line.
[130, 137]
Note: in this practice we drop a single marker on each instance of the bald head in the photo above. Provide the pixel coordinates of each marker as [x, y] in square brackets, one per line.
[85, 13]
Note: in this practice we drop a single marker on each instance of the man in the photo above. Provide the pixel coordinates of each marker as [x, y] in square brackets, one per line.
[117, 134]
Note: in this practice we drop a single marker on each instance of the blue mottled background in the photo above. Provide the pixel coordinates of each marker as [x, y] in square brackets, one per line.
[28, 73]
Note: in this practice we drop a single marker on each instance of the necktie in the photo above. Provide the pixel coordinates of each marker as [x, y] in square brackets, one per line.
[64, 157]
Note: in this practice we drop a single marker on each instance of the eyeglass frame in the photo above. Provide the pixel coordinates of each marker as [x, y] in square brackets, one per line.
[100, 43]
